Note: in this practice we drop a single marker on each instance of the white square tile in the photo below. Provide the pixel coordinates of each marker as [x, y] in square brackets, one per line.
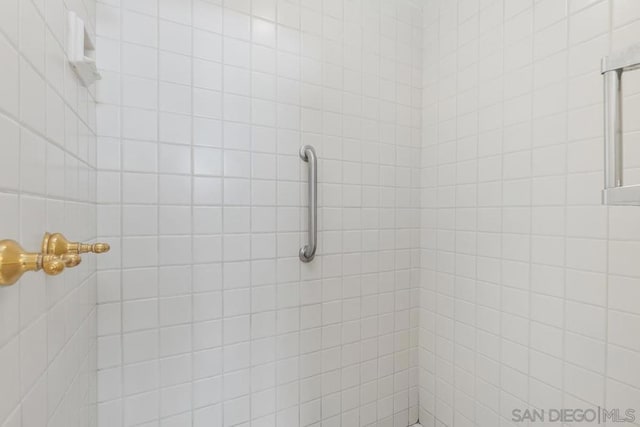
[175, 10]
[139, 28]
[175, 37]
[207, 45]
[32, 92]
[207, 16]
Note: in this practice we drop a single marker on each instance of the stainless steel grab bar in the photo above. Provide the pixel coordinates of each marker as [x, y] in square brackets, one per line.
[612, 129]
[308, 252]
[612, 67]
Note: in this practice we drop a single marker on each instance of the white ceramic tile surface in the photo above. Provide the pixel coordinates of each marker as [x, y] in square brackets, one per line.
[47, 183]
[528, 283]
[208, 317]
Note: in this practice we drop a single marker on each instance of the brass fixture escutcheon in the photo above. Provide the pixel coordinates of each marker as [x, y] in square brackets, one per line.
[57, 244]
[15, 261]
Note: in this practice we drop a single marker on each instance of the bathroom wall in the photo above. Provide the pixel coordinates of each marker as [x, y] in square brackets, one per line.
[47, 183]
[529, 286]
[206, 316]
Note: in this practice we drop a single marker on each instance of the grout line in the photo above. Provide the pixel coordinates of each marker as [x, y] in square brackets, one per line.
[277, 194]
[223, 148]
[192, 295]
[121, 231]
[531, 207]
[380, 215]
[476, 234]
[501, 206]
[300, 209]
[563, 385]
[607, 344]
[251, 208]
[455, 205]
[438, 256]
[159, 358]
[20, 198]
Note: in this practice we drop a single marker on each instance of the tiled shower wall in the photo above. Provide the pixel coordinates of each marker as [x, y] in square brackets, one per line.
[530, 288]
[206, 315]
[47, 182]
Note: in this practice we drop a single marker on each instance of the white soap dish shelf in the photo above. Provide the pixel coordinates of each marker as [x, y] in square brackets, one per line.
[81, 51]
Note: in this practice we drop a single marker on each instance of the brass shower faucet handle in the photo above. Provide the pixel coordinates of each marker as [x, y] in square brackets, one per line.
[15, 261]
[57, 244]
